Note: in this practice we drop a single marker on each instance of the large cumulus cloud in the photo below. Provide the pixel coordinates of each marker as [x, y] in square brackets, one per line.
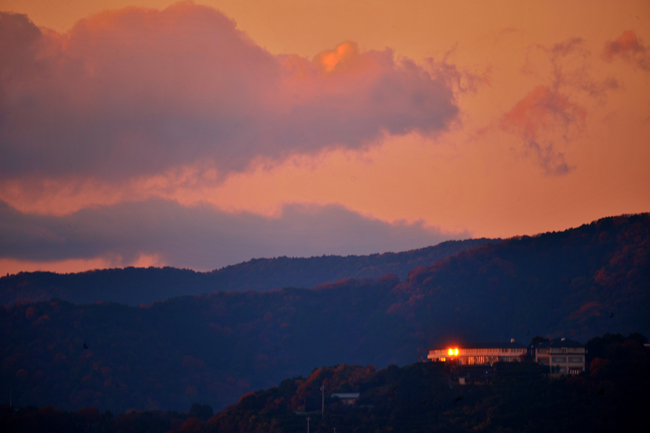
[201, 237]
[137, 91]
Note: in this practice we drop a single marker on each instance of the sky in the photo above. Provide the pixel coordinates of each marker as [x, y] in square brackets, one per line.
[202, 134]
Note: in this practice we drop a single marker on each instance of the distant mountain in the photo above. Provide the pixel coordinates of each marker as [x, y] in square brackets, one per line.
[135, 286]
[212, 348]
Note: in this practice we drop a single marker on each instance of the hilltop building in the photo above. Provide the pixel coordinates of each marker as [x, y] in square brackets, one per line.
[562, 356]
[348, 398]
[481, 353]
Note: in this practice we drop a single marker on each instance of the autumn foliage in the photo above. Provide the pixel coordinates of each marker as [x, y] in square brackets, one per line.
[216, 347]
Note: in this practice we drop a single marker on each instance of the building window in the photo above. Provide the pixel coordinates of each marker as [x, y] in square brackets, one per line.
[575, 359]
[543, 360]
[558, 359]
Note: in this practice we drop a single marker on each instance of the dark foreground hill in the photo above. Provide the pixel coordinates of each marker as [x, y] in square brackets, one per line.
[424, 397]
[213, 348]
[421, 397]
[135, 286]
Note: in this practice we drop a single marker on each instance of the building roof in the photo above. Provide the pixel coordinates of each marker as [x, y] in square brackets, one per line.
[560, 342]
[346, 395]
[484, 346]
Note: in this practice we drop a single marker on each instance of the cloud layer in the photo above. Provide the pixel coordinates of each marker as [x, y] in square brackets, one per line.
[522, 124]
[136, 92]
[201, 237]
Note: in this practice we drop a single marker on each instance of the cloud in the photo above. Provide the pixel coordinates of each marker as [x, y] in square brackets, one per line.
[546, 118]
[570, 69]
[541, 118]
[629, 48]
[136, 92]
[202, 237]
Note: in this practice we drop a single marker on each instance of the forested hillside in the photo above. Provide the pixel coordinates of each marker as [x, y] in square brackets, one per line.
[213, 348]
[577, 283]
[209, 348]
[420, 397]
[135, 286]
[423, 397]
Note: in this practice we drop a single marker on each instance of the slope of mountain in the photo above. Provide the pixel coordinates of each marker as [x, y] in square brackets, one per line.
[422, 398]
[577, 283]
[213, 348]
[419, 397]
[135, 286]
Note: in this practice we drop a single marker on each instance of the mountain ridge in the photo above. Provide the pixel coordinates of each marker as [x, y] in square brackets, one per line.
[588, 281]
[135, 286]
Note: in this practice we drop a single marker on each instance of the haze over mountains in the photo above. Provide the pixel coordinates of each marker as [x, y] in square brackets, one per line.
[215, 347]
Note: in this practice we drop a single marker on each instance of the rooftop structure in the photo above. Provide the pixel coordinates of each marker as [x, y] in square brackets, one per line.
[562, 356]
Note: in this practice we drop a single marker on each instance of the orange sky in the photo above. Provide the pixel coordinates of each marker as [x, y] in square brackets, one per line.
[553, 127]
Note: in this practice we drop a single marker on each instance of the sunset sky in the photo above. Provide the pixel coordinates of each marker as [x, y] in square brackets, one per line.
[204, 134]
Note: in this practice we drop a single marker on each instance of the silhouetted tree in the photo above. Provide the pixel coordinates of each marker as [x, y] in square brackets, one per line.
[537, 340]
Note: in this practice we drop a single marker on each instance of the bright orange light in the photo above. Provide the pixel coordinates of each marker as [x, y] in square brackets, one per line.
[450, 351]
[456, 352]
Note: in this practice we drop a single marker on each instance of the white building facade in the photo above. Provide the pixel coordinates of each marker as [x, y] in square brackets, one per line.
[480, 354]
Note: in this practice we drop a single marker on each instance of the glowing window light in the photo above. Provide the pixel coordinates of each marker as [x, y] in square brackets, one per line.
[452, 352]
[456, 352]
